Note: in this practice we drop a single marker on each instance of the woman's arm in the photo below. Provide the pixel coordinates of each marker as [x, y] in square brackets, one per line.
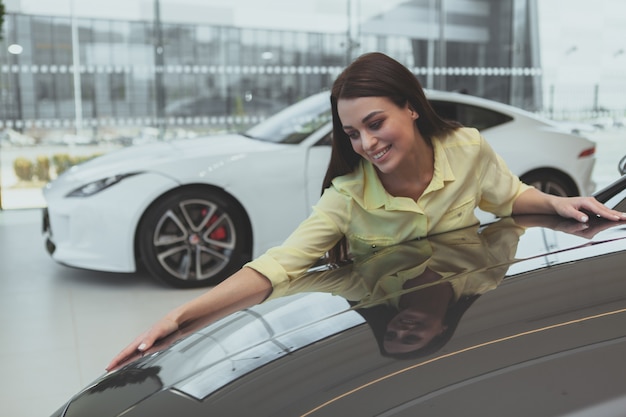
[243, 289]
[533, 201]
[251, 285]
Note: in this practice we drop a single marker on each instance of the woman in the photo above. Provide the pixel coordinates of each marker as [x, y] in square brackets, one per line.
[397, 172]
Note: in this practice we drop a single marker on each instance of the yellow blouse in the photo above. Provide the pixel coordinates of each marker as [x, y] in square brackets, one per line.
[473, 260]
[467, 174]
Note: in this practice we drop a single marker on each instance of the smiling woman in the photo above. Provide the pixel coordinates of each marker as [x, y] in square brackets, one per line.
[385, 128]
[386, 138]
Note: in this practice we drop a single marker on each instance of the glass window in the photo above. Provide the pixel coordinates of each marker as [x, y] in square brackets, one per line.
[469, 115]
[295, 123]
[117, 83]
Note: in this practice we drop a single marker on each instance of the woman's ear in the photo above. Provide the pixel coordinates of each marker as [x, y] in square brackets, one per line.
[413, 113]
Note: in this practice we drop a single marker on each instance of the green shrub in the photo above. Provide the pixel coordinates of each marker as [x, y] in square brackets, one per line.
[23, 169]
[80, 159]
[42, 168]
[62, 162]
[27, 170]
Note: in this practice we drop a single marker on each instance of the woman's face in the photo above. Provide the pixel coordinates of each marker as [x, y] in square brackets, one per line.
[411, 330]
[379, 130]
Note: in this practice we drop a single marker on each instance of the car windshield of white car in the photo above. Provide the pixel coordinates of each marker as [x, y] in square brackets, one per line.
[294, 123]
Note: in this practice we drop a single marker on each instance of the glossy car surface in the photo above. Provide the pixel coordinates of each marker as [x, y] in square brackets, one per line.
[192, 211]
[524, 317]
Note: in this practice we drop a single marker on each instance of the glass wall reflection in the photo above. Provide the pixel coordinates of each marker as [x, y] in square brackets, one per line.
[83, 87]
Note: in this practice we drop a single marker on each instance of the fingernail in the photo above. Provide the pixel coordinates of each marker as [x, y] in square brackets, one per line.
[141, 346]
[584, 219]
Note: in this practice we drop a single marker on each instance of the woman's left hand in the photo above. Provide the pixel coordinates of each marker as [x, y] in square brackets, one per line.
[533, 201]
[580, 208]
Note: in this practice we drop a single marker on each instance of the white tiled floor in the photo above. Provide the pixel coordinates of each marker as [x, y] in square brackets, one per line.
[60, 326]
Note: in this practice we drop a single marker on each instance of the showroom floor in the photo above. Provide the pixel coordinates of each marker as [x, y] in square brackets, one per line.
[61, 326]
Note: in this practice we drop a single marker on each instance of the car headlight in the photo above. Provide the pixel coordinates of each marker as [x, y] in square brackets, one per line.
[97, 186]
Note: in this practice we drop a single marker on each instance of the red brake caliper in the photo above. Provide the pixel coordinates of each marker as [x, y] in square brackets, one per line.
[219, 233]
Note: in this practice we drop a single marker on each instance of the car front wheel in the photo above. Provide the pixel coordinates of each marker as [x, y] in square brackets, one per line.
[194, 237]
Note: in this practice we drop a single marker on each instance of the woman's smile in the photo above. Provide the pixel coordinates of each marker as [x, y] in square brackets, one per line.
[382, 153]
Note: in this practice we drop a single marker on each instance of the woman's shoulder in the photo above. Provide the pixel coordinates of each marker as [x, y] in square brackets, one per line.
[359, 186]
[462, 135]
[463, 143]
[352, 180]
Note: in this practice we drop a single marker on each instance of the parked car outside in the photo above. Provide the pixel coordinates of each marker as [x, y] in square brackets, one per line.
[193, 211]
[10, 138]
[520, 317]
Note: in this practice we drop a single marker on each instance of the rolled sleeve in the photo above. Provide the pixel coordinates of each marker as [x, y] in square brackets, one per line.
[500, 187]
[312, 239]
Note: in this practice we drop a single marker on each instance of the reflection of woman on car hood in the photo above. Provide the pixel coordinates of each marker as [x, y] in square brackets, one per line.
[414, 294]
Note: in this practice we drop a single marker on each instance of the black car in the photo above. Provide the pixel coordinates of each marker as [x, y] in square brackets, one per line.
[525, 316]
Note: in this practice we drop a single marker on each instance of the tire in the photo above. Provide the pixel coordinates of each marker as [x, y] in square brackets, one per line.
[194, 237]
[551, 183]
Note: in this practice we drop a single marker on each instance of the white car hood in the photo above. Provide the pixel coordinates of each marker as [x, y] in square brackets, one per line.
[159, 157]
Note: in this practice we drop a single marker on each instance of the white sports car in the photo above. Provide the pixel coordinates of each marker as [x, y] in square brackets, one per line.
[193, 210]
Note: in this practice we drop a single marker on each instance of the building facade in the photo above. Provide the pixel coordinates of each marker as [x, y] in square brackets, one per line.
[97, 76]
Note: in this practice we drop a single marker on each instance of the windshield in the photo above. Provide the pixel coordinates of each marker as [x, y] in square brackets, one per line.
[296, 122]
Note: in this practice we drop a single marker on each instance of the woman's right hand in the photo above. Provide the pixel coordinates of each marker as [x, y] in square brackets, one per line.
[243, 289]
[163, 328]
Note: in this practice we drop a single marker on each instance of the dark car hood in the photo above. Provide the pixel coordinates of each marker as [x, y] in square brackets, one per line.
[535, 320]
[530, 320]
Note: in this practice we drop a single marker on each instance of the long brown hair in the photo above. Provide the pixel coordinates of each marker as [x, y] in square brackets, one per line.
[376, 75]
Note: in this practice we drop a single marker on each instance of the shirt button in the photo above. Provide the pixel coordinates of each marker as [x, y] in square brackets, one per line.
[373, 246]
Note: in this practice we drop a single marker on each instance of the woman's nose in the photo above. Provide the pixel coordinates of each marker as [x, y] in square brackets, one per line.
[368, 141]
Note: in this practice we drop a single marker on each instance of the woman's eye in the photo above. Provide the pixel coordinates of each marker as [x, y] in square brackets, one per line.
[375, 125]
[353, 135]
